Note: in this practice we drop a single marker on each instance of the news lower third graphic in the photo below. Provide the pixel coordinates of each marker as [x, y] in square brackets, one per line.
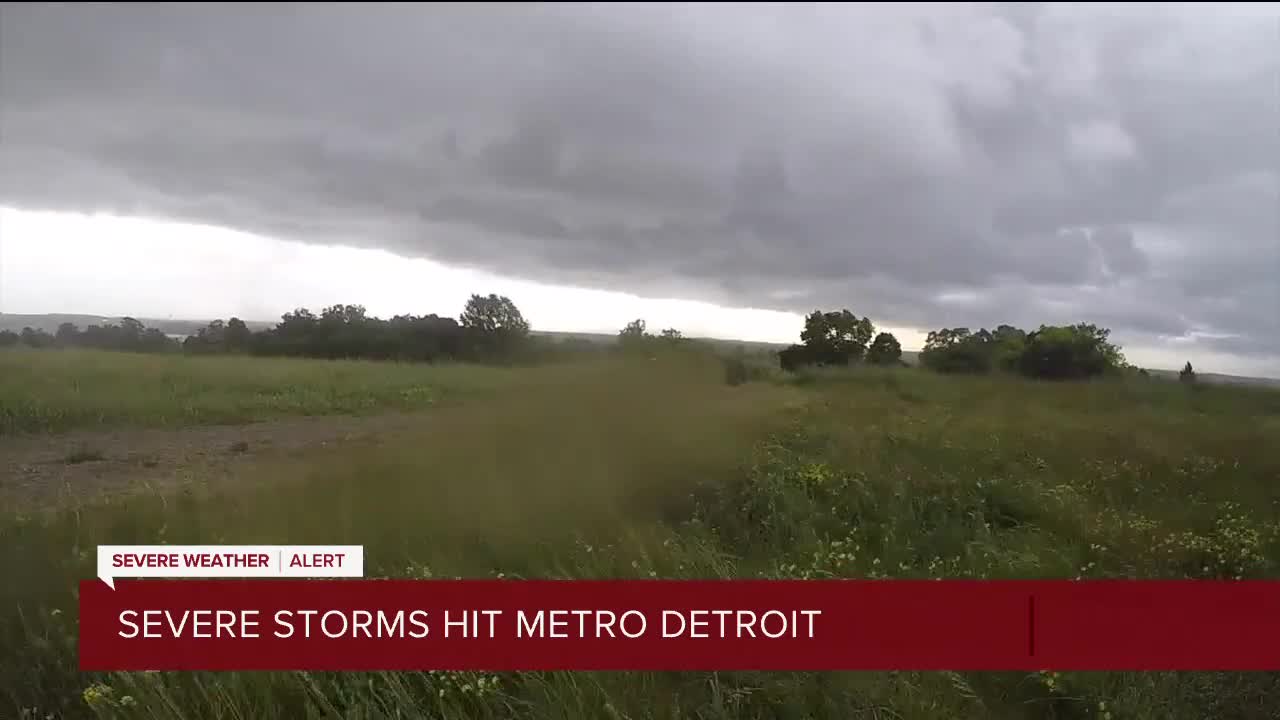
[229, 561]
[311, 607]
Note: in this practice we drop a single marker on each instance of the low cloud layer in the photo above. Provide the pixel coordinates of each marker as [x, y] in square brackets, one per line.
[924, 165]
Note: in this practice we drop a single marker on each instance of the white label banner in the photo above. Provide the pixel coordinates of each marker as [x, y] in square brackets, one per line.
[229, 561]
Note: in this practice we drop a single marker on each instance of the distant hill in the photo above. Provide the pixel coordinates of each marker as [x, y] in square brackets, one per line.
[50, 322]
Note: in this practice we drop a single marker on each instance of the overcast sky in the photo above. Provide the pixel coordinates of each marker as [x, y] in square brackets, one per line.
[925, 165]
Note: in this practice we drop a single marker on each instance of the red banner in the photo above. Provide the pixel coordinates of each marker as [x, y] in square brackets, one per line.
[505, 625]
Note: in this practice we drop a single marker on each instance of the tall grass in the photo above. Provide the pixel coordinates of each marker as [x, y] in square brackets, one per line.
[639, 468]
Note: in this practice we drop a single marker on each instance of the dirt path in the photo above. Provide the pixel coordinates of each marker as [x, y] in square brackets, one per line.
[44, 470]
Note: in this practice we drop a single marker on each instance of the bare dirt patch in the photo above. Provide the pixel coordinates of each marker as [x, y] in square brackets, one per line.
[44, 470]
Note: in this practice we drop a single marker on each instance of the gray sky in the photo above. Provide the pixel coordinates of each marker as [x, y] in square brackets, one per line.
[926, 165]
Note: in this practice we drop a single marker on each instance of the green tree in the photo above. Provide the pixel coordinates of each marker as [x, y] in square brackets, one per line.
[67, 335]
[634, 330]
[1008, 345]
[208, 339]
[211, 338]
[1069, 352]
[154, 340]
[494, 328]
[8, 338]
[945, 338]
[634, 337]
[836, 338]
[957, 350]
[1100, 338]
[36, 338]
[237, 336]
[131, 331]
[885, 350]
[494, 313]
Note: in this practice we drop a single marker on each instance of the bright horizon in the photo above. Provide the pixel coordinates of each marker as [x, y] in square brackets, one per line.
[108, 265]
[239, 274]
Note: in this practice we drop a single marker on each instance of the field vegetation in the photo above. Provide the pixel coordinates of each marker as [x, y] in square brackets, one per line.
[657, 460]
[51, 391]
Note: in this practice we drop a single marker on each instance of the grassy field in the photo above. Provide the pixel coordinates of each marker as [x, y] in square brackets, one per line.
[643, 468]
[46, 391]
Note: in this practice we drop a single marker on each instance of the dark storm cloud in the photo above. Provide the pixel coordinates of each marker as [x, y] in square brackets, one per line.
[926, 165]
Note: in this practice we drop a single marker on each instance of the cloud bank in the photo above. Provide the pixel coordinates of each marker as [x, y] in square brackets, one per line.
[924, 165]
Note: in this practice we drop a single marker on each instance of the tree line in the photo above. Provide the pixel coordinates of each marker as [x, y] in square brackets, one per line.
[129, 335]
[1052, 352]
[490, 329]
